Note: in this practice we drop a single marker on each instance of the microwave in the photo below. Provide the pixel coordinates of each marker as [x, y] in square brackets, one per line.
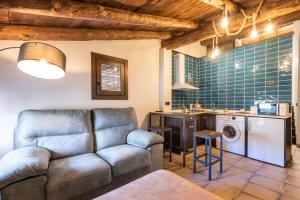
[268, 108]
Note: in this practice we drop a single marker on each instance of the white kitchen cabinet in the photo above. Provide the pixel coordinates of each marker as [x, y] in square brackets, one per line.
[266, 140]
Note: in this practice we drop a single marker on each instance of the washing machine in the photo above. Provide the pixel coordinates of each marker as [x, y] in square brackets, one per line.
[234, 138]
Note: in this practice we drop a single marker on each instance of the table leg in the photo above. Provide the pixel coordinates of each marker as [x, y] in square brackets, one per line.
[149, 124]
[171, 145]
[183, 140]
[194, 152]
[221, 154]
[209, 159]
[206, 141]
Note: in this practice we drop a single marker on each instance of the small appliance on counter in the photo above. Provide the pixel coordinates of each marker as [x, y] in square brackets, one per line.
[281, 109]
[284, 109]
[253, 110]
[267, 109]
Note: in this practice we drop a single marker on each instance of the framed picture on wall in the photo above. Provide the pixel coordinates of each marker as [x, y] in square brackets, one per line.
[109, 77]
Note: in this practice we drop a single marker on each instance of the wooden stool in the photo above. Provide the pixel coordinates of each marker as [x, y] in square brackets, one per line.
[161, 130]
[208, 136]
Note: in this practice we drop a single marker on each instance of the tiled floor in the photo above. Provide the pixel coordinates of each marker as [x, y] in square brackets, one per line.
[243, 178]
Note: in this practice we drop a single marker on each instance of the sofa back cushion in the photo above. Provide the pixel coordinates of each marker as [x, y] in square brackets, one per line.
[63, 132]
[112, 125]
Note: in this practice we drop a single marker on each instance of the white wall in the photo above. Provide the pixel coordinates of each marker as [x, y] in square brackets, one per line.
[19, 91]
[195, 50]
[165, 90]
[295, 77]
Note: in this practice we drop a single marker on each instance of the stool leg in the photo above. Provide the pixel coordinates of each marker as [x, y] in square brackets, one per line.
[194, 152]
[221, 154]
[206, 141]
[209, 159]
[171, 146]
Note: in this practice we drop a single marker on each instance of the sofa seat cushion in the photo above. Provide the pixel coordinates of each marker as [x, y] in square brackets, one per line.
[125, 158]
[69, 177]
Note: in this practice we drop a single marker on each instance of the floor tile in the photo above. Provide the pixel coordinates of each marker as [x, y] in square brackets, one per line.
[291, 192]
[285, 197]
[275, 168]
[242, 178]
[237, 171]
[294, 172]
[248, 164]
[295, 166]
[243, 196]
[232, 156]
[198, 179]
[271, 174]
[222, 189]
[294, 181]
[267, 183]
[183, 172]
[260, 192]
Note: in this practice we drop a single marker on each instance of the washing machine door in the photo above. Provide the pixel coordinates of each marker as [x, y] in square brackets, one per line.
[231, 132]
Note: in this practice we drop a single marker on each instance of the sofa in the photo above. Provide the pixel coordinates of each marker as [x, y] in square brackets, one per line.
[76, 154]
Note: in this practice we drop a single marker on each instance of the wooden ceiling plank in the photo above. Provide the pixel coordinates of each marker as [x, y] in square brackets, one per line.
[85, 11]
[231, 6]
[269, 11]
[20, 32]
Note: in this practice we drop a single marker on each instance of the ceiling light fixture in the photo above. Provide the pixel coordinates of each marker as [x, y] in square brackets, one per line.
[254, 33]
[225, 21]
[213, 55]
[215, 48]
[269, 27]
[41, 60]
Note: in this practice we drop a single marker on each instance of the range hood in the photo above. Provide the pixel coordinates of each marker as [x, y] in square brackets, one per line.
[180, 83]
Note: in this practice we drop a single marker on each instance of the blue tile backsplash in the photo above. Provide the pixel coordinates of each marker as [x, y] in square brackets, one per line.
[238, 78]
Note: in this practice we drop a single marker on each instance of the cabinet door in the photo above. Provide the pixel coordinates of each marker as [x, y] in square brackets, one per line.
[266, 140]
[207, 122]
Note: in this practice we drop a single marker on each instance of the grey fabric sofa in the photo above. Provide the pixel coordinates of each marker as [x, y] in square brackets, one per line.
[76, 154]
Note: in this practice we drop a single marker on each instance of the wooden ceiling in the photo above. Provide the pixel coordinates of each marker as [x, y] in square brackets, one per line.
[175, 22]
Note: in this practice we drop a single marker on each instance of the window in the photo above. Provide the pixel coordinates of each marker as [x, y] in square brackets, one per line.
[109, 77]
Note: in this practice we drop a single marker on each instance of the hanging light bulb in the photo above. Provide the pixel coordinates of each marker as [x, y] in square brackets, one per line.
[213, 55]
[253, 33]
[225, 21]
[217, 51]
[269, 28]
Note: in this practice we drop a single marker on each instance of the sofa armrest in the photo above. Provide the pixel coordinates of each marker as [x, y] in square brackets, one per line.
[23, 163]
[143, 138]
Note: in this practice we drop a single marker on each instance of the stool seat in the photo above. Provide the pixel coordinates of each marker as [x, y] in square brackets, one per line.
[207, 134]
[160, 128]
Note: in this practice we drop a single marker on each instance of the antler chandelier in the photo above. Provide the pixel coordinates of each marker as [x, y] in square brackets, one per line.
[225, 24]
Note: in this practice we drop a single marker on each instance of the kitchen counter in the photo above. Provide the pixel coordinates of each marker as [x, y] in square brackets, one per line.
[234, 113]
[185, 124]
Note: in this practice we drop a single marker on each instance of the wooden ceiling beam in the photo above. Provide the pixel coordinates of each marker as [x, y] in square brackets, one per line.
[85, 11]
[19, 32]
[231, 6]
[270, 10]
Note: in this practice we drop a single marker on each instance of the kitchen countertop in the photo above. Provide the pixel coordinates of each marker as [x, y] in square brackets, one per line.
[233, 113]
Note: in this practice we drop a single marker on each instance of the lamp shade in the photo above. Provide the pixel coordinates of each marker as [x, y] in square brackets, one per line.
[42, 60]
